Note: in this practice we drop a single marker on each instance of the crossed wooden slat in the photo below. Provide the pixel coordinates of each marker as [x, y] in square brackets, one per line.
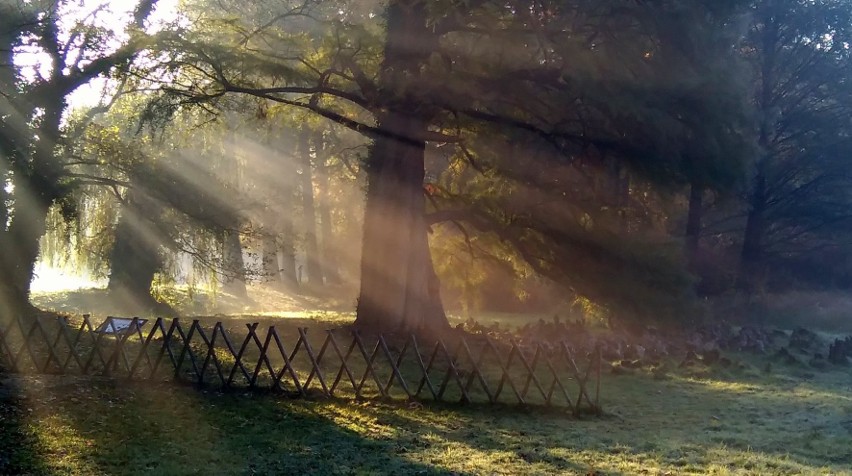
[531, 372]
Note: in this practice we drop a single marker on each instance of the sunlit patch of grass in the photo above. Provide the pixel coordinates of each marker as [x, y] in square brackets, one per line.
[750, 418]
[678, 426]
[506, 320]
[262, 300]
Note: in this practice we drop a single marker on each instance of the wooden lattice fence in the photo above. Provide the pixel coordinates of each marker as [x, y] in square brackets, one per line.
[334, 363]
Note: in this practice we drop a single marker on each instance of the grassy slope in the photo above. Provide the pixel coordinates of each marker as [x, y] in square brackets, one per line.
[787, 421]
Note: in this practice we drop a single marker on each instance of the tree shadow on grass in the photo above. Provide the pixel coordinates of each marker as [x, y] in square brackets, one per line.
[762, 424]
[776, 424]
[18, 447]
[485, 438]
[135, 428]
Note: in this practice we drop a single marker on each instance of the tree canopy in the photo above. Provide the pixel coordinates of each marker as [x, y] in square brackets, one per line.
[631, 154]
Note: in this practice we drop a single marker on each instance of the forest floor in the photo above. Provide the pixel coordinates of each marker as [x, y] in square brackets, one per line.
[756, 417]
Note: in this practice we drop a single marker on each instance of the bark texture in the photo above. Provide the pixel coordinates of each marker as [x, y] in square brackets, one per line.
[399, 288]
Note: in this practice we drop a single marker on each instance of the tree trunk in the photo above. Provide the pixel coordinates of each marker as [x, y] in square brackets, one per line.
[20, 247]
[287, 262]
[36, 172]
[233, 268]
[136, 255]
[269, 255]
[286, 256]
[9, 295]
[4, 195]
[312, 262]
[399, 287]
[693, 222]
[233, 278]
[279, 249]
[752, 275]
[36, 187]
[398, 282]
[9, 133]
[328, 250]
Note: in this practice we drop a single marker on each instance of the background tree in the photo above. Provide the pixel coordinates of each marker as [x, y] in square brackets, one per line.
[577, 82]
[78, 50]
[797, 196]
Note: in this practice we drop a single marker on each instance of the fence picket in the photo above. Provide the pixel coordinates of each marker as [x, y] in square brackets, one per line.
[476, 364]
[287, 366]
[423, 369]
[211, 353]
[186, 348]
[25, 346]
[556, 382]
[318, 360]
[344, 366]
[315, 361]
[167, 346]
[87, 324]
[263, 359]
[370, 360]
[506, 376]
[388, 363]
[530, 372]
[8, 350]
[453, 372]
[144, 343]
[395, 373]
[238, 362]
[581, 380]
[51, 354]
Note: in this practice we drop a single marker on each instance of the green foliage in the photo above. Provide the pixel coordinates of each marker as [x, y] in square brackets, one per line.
[564, 135]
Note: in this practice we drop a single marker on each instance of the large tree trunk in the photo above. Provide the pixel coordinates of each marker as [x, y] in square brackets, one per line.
[136, 254]
[20, 247]
[399, 287]
[36, 172]
[8, 292]
[398, 282]
[9, 133]
[36, 187]
[312, 262]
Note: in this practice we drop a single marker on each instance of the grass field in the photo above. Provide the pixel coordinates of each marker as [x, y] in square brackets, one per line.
[758, 416]
[702, 420]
